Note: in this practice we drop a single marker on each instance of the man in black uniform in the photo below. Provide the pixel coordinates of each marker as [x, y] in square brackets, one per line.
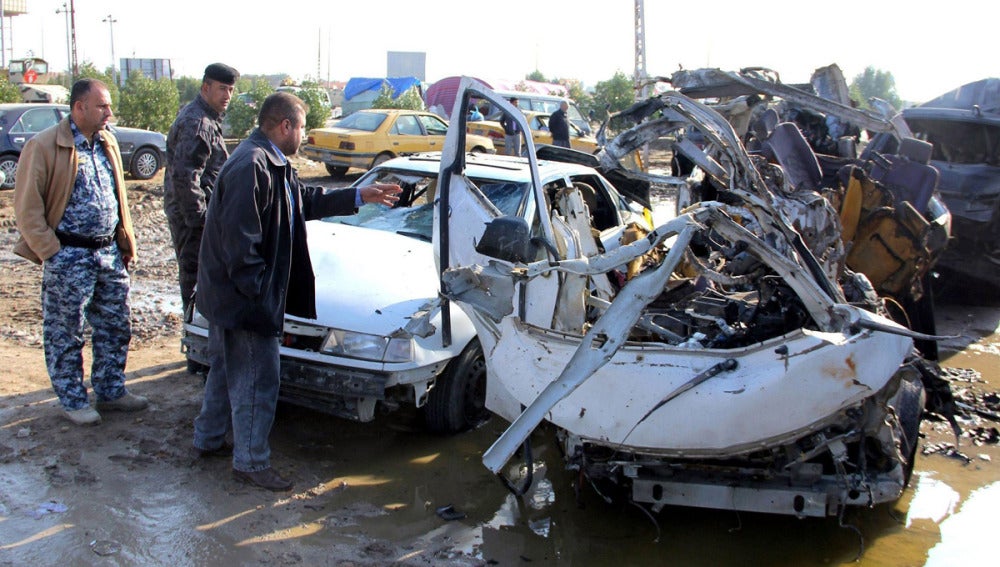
[196, 151]
[559, 126]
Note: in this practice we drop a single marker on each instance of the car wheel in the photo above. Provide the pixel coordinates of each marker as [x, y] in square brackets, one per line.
[198, 369]
[8, 166]
[457, 401]
[479, 150]
[336, 170]
[145, 163]
[381, 158]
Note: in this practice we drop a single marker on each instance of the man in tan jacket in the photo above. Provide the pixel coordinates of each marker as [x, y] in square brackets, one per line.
[72, 213]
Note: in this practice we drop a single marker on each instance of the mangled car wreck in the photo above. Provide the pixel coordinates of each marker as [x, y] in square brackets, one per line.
[727, 358]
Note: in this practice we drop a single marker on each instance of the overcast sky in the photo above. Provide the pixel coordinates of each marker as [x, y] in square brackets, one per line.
[929, 47]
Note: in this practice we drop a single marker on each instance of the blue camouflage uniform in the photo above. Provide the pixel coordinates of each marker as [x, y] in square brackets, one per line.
[92, 283]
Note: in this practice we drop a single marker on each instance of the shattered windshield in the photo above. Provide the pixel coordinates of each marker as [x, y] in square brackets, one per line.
[959, 142]
[414, 214]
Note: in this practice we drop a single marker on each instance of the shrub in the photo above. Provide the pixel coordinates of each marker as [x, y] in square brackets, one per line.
[148, 104]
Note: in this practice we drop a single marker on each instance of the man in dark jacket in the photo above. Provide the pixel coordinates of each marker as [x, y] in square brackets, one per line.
[196, 151]
[559, 126]
[255, 267]
[511, 133]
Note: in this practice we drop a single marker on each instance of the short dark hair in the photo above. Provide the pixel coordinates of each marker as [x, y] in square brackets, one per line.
[82, 88]
[280, 106]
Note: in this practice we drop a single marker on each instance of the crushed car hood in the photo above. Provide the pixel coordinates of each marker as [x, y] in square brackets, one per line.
[352, 266]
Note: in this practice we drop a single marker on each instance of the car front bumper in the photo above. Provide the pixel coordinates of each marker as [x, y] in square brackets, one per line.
[309, 380]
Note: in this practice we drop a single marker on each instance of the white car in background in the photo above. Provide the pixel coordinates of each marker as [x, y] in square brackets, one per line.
[378, 341]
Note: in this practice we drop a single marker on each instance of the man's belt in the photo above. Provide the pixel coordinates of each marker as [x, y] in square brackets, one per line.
[81, 241]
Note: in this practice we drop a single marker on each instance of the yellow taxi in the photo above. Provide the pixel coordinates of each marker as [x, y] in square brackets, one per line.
[538, 122]
[366, 138]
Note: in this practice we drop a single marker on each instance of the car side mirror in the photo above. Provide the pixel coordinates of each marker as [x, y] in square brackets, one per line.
[507, 238]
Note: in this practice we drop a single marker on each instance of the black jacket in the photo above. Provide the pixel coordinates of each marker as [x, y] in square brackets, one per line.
[558, 126]
[196, 151]
[252, 269]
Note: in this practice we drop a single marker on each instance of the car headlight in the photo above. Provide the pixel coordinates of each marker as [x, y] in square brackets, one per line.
[367, 347]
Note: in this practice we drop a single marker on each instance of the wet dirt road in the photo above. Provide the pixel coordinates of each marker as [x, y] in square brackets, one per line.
[368, 494]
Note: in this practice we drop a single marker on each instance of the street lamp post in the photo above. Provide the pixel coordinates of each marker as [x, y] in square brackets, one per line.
[69, 56]
[111, 26]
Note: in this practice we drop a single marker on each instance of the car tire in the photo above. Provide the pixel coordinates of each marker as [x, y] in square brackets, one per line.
[457, 402]
[909, 406]
[145, 163]
[479, 150]
[381, 158]
[8, 165]
[196, 368]
[336, 170]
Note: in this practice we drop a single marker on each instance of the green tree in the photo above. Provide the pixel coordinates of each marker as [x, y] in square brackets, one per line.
[187, 89]
[148, 104]
[242, 114]
[536, 75]
[875, 83]
[611, 96]
[89, 71]
[319, 111]
[9, 92]
[409, 100]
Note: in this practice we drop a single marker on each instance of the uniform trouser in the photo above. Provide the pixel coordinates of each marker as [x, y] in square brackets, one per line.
[187, 241]
[80, 283]
[241, 391]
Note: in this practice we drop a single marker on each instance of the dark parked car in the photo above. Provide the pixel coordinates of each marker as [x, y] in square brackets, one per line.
[143, 151]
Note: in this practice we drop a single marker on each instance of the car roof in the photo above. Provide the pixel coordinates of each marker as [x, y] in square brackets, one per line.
[393, 111]
[950, 114]
[526, 95]
[492, 166]
[27, 105]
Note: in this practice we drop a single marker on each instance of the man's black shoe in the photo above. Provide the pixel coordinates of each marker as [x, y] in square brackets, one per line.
[268, 479]
[224, 450]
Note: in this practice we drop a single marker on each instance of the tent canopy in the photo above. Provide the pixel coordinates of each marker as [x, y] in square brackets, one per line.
[358, 85]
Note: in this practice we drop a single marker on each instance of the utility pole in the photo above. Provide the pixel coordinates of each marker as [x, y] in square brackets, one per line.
[640, 76]
[3, 38]
[69, 52]
[72, 26]
[111, 26]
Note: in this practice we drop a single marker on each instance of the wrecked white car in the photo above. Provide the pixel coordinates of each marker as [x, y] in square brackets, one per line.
[726, 359]
[893, 225]
[377, 342]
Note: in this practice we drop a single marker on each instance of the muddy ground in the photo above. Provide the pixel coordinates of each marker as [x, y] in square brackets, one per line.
[127, 492]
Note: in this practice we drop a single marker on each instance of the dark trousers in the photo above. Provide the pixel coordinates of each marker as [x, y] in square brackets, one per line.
[241, 392]
[187, 241]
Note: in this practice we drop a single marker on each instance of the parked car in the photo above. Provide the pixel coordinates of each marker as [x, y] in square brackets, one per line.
[539, 123]
[378, 339]
[366, 138]
[143, 151]
[545, 104]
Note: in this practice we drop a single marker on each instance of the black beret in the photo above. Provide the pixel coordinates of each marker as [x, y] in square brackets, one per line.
[222, 73]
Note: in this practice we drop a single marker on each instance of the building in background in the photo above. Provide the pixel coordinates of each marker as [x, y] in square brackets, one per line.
[152, 68]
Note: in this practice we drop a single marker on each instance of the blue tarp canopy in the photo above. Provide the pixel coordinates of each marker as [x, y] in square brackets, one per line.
[358, 85]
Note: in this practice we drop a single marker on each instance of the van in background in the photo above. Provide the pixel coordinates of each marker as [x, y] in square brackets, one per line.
[540, 103]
